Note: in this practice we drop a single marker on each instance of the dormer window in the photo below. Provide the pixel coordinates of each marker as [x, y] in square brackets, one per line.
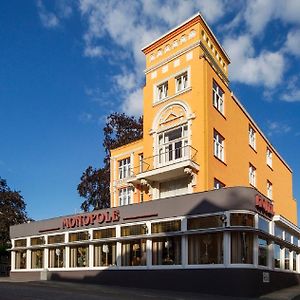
[181, 82]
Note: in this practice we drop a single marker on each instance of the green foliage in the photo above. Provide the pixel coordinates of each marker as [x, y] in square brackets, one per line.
[119, 130]
[12, 211]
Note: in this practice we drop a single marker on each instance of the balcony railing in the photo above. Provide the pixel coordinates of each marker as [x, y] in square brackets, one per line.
[166, 158]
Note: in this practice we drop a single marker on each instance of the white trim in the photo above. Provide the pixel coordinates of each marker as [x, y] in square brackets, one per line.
[198, 14]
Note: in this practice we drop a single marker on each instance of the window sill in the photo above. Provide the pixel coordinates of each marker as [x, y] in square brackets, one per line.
[157, 102]
[220, 160]
[219, 112]
[253, 148]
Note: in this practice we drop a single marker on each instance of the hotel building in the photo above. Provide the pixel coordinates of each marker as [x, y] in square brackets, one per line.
[203, 202]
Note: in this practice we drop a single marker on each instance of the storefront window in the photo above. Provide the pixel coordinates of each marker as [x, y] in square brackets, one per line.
[278, 231]
[134, 253]
[37, 241]
[79, 257]
[139, 229]
[294, 261]
[56, 239]
[241, 248]
[277, 256]
[262, 252]
[20, 259]
[78, 236]
[104, 233]
[205, 249]
[295, 240]
[167, 226]
[204, 222]
[37, 259]
[239, 219]
[263, 224]
[288, 237]
[56, 257]
[20, 243]
[287, 259]
[166, 251]
[105, 254]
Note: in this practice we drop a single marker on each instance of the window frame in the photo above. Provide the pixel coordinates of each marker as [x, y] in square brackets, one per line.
[218, 97]
[125, 197]
[252, 175]
[252, 137]
[269, 189]
[163, 93]
[269, 157]
[185, 83]
[124, 168]
[219, 146]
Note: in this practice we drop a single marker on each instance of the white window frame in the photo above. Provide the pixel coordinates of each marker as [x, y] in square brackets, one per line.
[124, 168]
[182, 81]
[219, 143]
[218, 184]
[252, 137]
[218, 97]
[252, 175]
[125, 196]
[162, 91]
[269, 189]
[269, 159]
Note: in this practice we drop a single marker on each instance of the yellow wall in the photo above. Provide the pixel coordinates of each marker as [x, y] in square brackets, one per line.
[208, 63]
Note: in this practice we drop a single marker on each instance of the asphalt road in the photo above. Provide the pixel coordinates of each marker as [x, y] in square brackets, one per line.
[49, 290]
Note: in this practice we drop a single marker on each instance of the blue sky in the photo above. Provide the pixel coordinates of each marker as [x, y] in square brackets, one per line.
[65, 65]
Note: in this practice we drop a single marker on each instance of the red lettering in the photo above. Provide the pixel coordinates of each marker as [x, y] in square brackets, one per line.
[116, 215]
[265, 205]
[66, 223]
[72, 222]
[108, 217]
[93, 218]
[87, 220]
[100, 218]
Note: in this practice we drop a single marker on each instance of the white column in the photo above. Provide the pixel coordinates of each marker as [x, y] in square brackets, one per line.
[255, 250]
[226, 248]
[91, 250]
[13, 260]
[184, 243]
[271, 255]
[67, 249]
[119, 249]
[28, 254]
[46, 253]
[149, 246]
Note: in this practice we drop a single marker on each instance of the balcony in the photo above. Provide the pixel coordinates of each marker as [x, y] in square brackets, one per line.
[175, 162]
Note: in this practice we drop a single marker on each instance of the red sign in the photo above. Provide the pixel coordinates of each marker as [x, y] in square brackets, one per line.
[91, 219]
[264, 205]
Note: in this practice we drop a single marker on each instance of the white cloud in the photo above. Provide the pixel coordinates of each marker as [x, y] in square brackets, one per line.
[265, 69]
[275, 127]
[259, 13]
[85, 117]
[292, 44]
[133, 104]
[48, 19]
[93, 51]
[292, 90]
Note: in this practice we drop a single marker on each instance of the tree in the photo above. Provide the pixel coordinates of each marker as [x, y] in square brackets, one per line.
[119, 130]
[12, 211]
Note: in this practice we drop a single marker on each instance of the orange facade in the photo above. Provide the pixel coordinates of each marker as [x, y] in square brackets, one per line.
[197, 135]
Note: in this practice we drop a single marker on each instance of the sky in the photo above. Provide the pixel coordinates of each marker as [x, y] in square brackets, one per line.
[66, 65]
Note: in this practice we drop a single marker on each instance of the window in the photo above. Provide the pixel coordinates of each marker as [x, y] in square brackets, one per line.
[263, 224]
[278, 231]
[125, 196]
[277, 251]
[269, 157]
[218, 184]
[205, 249]
[20, 243]
[37, 241]
[20, 259]
[124, 168]
[218, 98]
[167, 226]
[252, 175]
[105, 254]
[139, 229]
[286, 259]
[162, 91]
[262, 252]
[181, 81]
[79, 236]
[79, 256]
[166, 251]
[252, 137]
[240, 219]
[55, 239]
[294, 261]
[104, 233]
[269, 189]
[205, 222]
[56, 257]
[37, 259]
[134, 253]
[218, 146]
[241, 248]
[173, 145]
